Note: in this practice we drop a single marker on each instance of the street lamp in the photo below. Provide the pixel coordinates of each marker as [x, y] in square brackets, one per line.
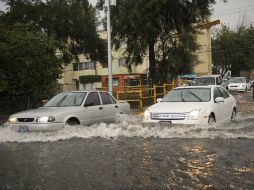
[110, 86]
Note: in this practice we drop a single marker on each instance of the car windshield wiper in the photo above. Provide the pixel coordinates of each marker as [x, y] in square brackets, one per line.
[183, 100]
[195, 96]
[59, 103]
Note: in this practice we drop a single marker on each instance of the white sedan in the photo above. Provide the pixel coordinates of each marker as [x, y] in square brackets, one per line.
[71, 108]
[195, 105]
[238, 84]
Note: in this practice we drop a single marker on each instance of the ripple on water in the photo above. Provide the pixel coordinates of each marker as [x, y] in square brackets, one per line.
[131, 126]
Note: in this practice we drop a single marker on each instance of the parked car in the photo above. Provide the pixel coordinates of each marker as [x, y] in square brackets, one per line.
[239, 84]
[198, 105]
[71, 108]
[208, 80]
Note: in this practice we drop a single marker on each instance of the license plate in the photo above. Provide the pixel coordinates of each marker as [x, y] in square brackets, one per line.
[166, 116]
[23, 128]
[165, 122]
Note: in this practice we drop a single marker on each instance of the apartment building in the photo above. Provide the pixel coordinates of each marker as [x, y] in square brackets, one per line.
[121, 74]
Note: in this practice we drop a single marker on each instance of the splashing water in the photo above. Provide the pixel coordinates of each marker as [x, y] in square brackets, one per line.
[131, 126]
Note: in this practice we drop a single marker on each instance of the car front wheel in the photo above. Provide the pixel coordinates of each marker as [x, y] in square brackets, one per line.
[72, 122]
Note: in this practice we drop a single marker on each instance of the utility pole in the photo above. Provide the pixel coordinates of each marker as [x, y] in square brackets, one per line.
[110, 86]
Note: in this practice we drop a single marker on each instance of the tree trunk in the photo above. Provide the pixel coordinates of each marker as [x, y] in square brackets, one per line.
[152, 62]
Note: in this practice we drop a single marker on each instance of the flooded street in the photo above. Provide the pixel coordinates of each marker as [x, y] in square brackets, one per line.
[125, 155]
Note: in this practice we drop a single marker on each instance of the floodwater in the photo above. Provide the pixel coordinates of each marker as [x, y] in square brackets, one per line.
[126, 155]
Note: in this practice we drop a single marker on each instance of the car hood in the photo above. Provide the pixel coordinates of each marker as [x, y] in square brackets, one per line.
[40, 112]
[177, 107]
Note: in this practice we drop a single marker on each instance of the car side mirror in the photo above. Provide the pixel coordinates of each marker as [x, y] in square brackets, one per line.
[89, 104]
[219, 99]
[159, 100]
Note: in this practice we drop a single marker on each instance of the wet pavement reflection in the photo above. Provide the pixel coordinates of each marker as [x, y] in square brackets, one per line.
[128, 163]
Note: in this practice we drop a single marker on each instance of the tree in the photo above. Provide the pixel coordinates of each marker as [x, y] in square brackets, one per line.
[28, 64]
[72, 22]
[165, 28]
[233, 50]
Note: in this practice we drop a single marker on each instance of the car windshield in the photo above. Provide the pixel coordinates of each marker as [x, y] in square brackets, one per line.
[238, 80]
[205, 81]
[66, 99]
[188, 95]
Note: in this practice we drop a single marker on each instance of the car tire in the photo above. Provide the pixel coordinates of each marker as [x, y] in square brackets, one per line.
[233, 115]
[71, 122]
[246, 89]
[211, 120]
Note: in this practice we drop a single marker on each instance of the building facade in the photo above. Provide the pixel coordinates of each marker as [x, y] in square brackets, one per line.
[121, 73]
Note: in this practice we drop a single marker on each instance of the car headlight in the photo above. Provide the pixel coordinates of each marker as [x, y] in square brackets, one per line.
[147, 115]
[12, 119]
[45, 119]
[193, 115]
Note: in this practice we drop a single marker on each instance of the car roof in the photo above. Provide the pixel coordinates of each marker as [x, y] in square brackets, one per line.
[76, 91]
[205, 76]
[209, 86]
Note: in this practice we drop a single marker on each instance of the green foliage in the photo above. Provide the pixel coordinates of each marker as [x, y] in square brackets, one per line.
[89, 79]
[28, 64]
[73, 22]
[165, 28]
[234, 49]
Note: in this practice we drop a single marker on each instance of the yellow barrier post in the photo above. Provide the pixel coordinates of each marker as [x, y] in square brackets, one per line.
[164, 89]
[140, 98]
[154, 94]
[117, 95]
[173, 83]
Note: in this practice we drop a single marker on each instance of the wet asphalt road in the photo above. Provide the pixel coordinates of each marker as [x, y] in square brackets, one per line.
[128, 163]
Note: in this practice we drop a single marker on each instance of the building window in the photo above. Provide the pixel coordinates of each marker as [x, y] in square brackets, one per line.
[115, 82]
[104, 65]
[131, 82]
[122, 62]
[89, 65]
[81, 66]
[75, 66]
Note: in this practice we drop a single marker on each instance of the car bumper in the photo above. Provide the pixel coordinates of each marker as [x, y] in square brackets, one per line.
[175, 122]
[35, 126]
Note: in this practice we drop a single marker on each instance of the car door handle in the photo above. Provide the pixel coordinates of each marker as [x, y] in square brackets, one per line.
[116, 106]
[100, 108]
